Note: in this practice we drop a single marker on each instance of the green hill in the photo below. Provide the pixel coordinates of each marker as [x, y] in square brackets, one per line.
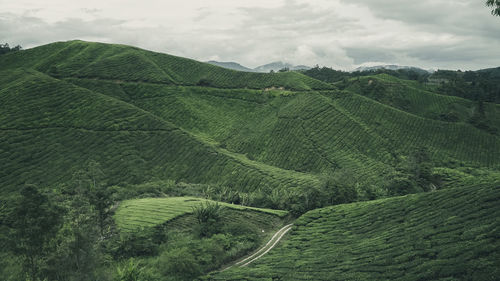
[148, 212]
[424, 101]
[118, 62]
[444, 235]
[94, 126]
[51, 129]
[146, 116]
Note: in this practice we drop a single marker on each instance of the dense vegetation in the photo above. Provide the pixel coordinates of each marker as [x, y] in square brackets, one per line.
[88, 130]
[444, 235]
[5, 48]
[69, 234]
[481, 86]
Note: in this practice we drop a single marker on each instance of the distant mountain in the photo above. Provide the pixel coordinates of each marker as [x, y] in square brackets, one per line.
[231, 65]
[391, 67]
[275, 66]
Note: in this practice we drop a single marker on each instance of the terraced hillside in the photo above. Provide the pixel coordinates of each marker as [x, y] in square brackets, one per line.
[152, 125]
[445, 235]
[146, 116]
[51, 128]
[311, 132]
[427, 102]
[125, 63]
[148, 212]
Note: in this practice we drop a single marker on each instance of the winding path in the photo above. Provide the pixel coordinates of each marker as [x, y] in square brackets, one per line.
[262, 251]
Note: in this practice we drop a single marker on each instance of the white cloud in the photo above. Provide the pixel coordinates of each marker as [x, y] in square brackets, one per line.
[338, 33]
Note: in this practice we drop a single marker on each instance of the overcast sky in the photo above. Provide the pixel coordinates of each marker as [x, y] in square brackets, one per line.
[445, 34]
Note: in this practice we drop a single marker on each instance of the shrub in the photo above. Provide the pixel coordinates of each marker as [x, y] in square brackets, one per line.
[208, 216]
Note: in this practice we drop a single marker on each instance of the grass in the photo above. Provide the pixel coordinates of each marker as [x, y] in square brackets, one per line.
[147, 212]
[445, 235]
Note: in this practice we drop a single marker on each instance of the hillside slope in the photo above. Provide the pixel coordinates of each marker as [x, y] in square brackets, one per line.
[146, 116]
[51, 129]
[119, 62]
[444, 235]
[312, 132]
[427, 102]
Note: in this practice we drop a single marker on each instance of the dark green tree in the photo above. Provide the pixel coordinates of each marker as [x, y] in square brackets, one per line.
[90, 182]
[209, 216]
[340, 187]
[34, 222]
[77, 246]
[495, 5]
[5, 48]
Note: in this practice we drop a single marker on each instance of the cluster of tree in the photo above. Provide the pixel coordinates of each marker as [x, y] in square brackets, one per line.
[414, 174]
[67, 233]
[330, 75]
[5, 48]
[482, 85]
[335, 187]
[60, 234]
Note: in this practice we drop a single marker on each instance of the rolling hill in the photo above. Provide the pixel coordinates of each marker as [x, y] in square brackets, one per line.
[147, 116]
[445, 235]
[158, 125]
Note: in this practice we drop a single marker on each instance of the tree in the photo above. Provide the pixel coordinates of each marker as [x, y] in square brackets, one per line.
[77, 245]
[34, 222]
[208, 216]
[340, 186]
[90, 182]
[495, 5]
[5, 48]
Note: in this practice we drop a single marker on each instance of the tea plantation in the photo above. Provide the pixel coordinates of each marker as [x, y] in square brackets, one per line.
[107, 150]
[444, 235]
[148, 212]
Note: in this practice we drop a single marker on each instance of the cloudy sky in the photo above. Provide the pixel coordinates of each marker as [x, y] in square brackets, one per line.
[344, 34]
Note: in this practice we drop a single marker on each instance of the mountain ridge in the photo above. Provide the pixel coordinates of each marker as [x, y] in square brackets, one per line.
[274, 66]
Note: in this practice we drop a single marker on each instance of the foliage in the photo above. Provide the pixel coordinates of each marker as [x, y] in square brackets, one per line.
[449, 234]
[97, 123]
[130, 271]
[5, 48]
[340, 78]
[208, 216]
[481, 85]
[495, 5]
[33, 222]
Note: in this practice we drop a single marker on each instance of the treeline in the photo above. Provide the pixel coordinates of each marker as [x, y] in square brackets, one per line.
[482, 85]
[5, 48]
[58, 234]
[330, 75]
